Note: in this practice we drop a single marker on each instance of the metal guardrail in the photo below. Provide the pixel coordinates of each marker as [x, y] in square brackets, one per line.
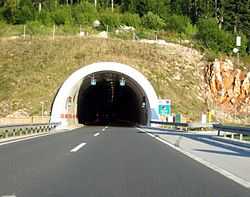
[185, 125]
[25, 129]
[170, 123]
[232, 129]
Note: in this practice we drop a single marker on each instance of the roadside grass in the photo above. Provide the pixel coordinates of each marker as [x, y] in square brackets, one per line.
[247, 138]
[32, 70]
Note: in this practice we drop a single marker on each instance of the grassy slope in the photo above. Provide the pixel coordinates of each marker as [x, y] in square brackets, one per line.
[32, 70]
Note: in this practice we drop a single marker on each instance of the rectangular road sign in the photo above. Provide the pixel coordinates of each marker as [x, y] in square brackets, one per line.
[165, 107]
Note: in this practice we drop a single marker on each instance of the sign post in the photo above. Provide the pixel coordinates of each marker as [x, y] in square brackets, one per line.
[238, 41]
[237, 49]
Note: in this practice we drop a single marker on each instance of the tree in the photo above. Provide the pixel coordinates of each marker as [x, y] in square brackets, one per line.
[237, 15]
[10, 8]
[214, 38]
[25, 12]
[231, 14]
[84, 13]
[112, 20]
[176, 6]
[1, 3]
[142, 7]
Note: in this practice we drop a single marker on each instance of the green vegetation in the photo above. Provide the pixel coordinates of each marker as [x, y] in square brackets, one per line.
[214, 38]
[211, 24]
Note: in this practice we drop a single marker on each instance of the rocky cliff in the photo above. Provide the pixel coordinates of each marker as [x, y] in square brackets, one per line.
[228, 87]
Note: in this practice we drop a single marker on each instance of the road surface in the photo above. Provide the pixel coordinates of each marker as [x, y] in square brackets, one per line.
[106, 162]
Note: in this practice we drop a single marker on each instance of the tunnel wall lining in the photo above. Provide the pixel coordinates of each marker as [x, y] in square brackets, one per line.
[65, 112]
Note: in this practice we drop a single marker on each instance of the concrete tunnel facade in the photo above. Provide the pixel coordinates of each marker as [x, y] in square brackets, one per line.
[105, 93]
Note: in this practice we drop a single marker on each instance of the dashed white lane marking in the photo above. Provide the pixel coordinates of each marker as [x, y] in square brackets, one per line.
[106, 127]
[9, 195]
[96, 134]
[78, 147]
[222, 171]
[103, 129]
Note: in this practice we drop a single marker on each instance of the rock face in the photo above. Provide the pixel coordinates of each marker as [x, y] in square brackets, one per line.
[229, 87]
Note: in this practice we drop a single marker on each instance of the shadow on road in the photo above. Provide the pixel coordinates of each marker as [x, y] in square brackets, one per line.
[230, 149]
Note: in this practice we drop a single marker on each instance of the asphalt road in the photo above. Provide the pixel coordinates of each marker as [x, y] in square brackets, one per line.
[117, 162]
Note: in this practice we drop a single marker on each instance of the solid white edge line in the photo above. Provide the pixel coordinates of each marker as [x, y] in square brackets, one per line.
[96, 134]
[222, 171]
[78, 147]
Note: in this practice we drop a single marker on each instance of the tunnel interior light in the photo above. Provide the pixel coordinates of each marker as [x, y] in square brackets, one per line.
[122, 82]
[93, 81]
[143, 105]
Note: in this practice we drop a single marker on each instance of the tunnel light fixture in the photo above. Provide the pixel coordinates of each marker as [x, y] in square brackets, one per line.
[93, 81]
[143, 105]
[122, 82]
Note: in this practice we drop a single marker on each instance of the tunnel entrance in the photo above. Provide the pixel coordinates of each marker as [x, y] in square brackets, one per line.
[113, 99]
[107, 101]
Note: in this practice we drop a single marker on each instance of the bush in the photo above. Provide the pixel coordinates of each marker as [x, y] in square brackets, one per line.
[24, 14]
[178, 23]
[129, 19]
[35, 28]
[191, 30]
[214, 38]
[3, 27]
[70, 29]
[84, 13]
[153, 21]
[62, 16]
[45, 18]
[111, 19]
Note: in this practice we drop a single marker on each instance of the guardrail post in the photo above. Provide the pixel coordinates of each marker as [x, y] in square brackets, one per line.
[232, 136]
[6, 133]
[241, 137]
[218, 134]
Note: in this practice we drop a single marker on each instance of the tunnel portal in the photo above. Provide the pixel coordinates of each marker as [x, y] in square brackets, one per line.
[105, 93]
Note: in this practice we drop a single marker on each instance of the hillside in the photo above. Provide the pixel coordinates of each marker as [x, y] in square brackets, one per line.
[31, 71]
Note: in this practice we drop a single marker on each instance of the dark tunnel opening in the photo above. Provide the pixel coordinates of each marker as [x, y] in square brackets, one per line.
[108, 102]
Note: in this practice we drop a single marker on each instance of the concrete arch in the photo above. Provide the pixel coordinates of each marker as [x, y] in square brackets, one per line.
[64, 108]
